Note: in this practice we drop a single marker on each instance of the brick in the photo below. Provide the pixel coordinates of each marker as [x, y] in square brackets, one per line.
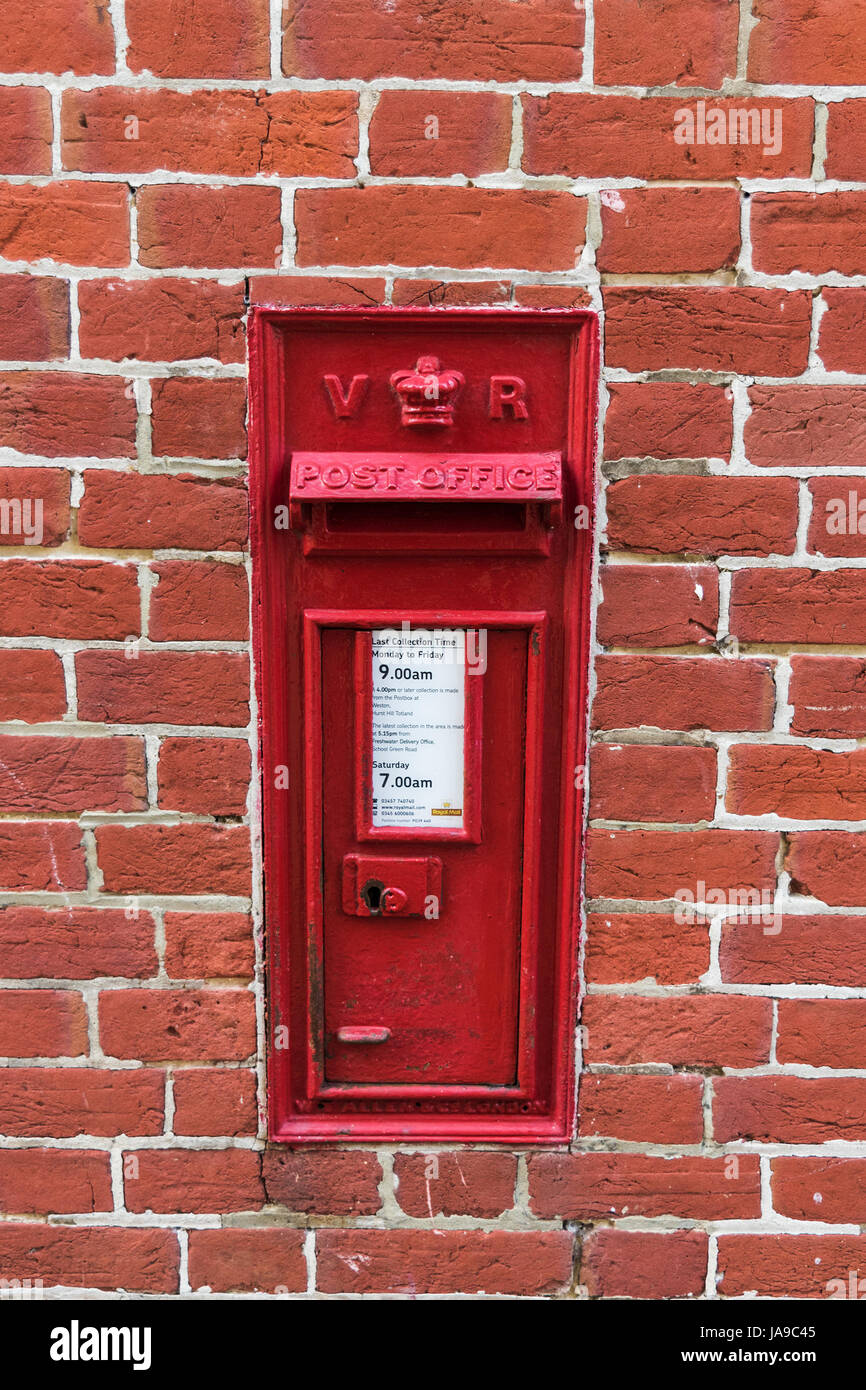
[443, 1262]
[637, 782]
[846, 128]
[676, 692]
[806, 950]
[757, 332]
[199, 601]
[175, 859]
[215, 1100]
[652, 864]
[259, 1260]
[820, 1189]
[599, 1186]
[289, 291]
[199, 417]
[182, 225]
[210, 776]
[26, 127]
[658, 605]
[34, 506]
[703, 516]
[806, 426]
[42, 1022]
[552, 296]
[796, 41]
[458, 1184]
[220, 1180]
[800, 783]
[698, 1030]
[838, 522]
[64, 1102]
[41, 1182]
[829, 865]
[583, 135]
[459, 227]
[623, 948]
[789, 1109]
[76, 943]
[822, 1032]
[200, 1025]
[111, 1258]
[73, 222]
[44, 775]
[775, 1266]
[808, 232]
[43, 36]
[450, 292]
[32, 687]
[842, 332]
[493, 41]
[829, 696]
[161, 511]
[798, 605]
[163, 688]
[642, 1109]
[66, 414]
[440, 133]
[46, 855]
[208, 945]
[68, 598]
[668, 230]
[667, 420]
[212, 39]
[643, 1264]
[34, 311]
[162, 320]
[690, 43]
[135, 130]
[323, 1183]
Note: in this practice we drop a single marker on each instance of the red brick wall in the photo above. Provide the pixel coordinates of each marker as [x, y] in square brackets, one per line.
[692, 169]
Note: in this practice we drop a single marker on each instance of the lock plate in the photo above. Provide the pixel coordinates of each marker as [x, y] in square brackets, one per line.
[387, 886]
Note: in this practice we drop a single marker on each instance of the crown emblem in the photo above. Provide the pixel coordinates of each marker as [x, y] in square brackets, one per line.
[426, 393]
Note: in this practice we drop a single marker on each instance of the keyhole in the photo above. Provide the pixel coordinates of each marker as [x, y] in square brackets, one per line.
[372, 895]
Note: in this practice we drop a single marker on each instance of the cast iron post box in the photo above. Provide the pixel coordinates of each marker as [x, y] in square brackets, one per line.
[421, 484]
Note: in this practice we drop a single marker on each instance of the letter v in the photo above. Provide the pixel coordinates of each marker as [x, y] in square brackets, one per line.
[346, 403]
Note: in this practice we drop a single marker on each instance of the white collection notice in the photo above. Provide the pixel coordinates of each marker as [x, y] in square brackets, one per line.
[419, 712]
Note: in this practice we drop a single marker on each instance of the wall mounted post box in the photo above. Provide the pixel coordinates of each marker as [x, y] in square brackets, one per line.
[421, 485]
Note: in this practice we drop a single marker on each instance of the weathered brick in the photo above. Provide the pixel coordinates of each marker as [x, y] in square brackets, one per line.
[161, 320]
[639, 782]
[136, 130]
[459, 227]
[76, 943]
[161, 511]
[72, 222]
[667, 420]
[261, 1260]
[34, 313]
[210, 776]
[163, 688]
[199, 1025]
[493, 40]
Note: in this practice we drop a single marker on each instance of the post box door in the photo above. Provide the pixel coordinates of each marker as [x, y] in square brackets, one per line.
[438, 993]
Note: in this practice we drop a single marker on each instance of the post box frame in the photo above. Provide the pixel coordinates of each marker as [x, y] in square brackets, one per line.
[284, 682]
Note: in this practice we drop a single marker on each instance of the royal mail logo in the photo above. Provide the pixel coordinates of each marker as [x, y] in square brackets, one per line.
[317, 477]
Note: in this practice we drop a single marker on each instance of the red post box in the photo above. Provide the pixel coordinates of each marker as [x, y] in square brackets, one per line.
[421, 484]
